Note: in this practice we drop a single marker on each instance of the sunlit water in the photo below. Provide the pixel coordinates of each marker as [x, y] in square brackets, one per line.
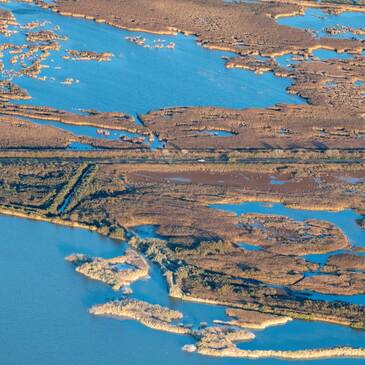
[318, 20]
[139, 79]
[345, 220]
[44, 308]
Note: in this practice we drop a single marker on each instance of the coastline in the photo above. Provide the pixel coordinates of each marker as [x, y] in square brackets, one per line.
[173, 190]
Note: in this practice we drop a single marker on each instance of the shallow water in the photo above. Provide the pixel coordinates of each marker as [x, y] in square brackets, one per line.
[217, 133]
[325, 54]
[345, 220]
[275, 181]
[286, 60]
[317, 20]
[249, 247]
[44, 309]
[84, 130]
[138, 79]
[319, 54]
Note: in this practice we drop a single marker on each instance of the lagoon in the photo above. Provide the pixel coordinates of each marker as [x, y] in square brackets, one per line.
[44, 309]
[45, 319]
[139, 79]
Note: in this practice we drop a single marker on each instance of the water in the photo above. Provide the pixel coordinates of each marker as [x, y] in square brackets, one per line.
[286, 60]
[275, 181]
[317, 20]
[80, 147]
[84, 130]
[44, 318]
[138, 79]
[44, 309]
[345, 220]
[359, 83]
[313, 334]
[325, 54]
[217, 133]
[320, 54]
[249, 247]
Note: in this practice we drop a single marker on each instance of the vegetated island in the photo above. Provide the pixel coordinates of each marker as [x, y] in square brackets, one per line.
[308, 156]
[212, 341]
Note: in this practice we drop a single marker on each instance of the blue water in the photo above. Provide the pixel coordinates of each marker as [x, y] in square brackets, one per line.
[83, 130]
[317, 20]
[345, 219]
[44, 308]
[286, 60]
[44, 317]
[325, 54]
[77, 146]
[249, 247]
[275, 181]
[217, 133]
[353, 299]
[313, 334]
[138, 79]
[146, 231]
[321, 54]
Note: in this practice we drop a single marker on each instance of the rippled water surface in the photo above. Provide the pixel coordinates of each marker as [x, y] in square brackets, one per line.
[139, 79]
[317, 20]
[44, 315]
[44, 309]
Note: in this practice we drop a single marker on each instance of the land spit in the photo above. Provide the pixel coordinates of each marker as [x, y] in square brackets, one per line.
[236, 25]
[253, 320]
[212, 341]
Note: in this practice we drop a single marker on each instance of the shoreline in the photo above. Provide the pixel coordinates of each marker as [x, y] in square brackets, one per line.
[173, 30]
[173, 190]
[314, 354]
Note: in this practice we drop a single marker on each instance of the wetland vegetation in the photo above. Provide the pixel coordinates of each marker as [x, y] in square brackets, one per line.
[231, 183]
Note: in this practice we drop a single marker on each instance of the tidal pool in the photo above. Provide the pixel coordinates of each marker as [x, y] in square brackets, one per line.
[321, 54]
[318, 20]
[44, 309]
[139, 79]
[84, 130]
[325, 54]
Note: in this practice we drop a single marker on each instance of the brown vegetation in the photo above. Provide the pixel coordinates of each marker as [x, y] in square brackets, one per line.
[243, 28]
[118, 271]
